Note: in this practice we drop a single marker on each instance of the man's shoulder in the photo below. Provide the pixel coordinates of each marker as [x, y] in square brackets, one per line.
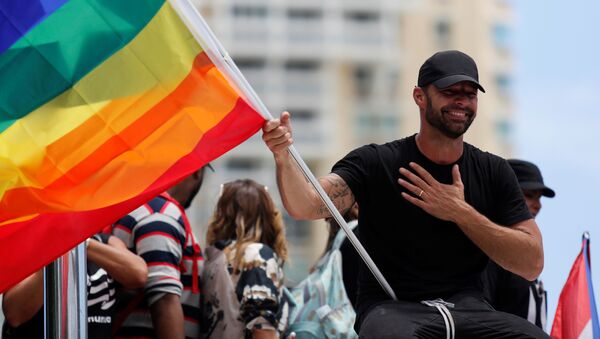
[475, 153]
[157, 210]
[398, 145]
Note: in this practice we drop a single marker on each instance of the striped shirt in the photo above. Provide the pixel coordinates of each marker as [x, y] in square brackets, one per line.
[160, 233]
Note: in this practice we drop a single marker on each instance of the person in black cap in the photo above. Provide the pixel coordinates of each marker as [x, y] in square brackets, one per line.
[433, 210]
[508, 292]
[532, 184]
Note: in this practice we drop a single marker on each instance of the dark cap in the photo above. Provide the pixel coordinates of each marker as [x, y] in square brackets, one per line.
[530, 177]
[444, 69]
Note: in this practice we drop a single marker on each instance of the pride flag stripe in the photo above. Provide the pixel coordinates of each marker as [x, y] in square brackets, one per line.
[53, 56]
[115, 94]
[18, 17]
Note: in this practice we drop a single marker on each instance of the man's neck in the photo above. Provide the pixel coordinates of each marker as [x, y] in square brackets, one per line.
[439, 148]
[175, 194]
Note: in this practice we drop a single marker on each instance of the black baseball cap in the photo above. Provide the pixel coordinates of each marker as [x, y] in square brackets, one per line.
[530, 177]
[446, 68]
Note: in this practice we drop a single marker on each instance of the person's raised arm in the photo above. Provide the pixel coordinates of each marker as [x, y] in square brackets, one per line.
[127, 268]
[300, 199]
[517, 248]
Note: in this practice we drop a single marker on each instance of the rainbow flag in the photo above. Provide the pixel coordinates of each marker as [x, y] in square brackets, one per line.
[576, 315]
[104, 104]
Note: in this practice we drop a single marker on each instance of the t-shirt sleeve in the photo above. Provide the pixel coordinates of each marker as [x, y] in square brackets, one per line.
[354, 169]
[159, 242]
[259, 288]
[511, 207]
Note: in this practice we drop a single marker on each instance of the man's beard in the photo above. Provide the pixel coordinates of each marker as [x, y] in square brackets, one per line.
[446, 127]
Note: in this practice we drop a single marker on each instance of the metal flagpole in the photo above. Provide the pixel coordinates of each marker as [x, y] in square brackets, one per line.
[65, 296]
[53, 299]
[221, 59]
[78, 315]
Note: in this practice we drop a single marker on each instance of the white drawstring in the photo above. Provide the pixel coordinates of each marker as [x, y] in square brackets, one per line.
[442, 307]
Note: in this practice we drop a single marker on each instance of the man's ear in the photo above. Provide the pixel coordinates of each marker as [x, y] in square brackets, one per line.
[419, 97]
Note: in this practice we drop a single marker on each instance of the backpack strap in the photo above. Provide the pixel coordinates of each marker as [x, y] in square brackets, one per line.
[341, 235]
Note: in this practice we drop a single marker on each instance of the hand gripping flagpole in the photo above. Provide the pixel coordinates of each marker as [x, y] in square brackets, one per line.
[219, 56]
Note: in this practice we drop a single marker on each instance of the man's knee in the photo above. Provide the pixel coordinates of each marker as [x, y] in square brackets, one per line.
[495, 324]
[397, 320]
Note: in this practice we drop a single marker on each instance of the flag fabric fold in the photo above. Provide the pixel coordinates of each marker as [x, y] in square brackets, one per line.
[104, 105]
[576, 314]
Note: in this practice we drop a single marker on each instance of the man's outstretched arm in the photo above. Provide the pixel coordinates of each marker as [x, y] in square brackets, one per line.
[299, 198]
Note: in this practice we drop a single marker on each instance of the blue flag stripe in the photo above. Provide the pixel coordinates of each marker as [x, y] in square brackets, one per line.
[17, 17]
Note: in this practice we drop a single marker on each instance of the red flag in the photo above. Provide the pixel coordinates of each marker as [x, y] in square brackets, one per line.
[576, 315]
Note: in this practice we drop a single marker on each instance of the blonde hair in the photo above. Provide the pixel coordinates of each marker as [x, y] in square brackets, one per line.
[245, 212]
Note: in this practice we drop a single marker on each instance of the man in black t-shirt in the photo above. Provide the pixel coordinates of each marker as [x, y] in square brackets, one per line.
[506, 291]
[433, 210]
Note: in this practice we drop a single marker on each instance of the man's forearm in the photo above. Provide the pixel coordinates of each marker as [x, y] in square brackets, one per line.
[298, 196]
[125, 267]
[517, 248]
[24, 300]
[167, 317]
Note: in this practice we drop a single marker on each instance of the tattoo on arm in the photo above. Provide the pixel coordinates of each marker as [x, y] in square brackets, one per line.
[339, 193]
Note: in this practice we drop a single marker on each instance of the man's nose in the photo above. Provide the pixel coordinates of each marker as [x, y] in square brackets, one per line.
[461, 100]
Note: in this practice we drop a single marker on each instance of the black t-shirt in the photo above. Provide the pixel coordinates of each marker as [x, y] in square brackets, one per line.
[351, 263]
[423, 257]
[101, 299]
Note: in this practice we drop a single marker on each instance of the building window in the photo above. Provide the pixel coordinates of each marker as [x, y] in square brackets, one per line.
[303, 114]
[246, 11]
[243, 164]
[501, 35]
[443, 33]
[302, 65]
[362, 17]
[392, 84]
[250, 63]
[304, 14]
[504, 84]
[504, 130]
[363, 81]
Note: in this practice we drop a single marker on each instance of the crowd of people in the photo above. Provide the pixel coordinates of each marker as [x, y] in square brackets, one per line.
[452, 228]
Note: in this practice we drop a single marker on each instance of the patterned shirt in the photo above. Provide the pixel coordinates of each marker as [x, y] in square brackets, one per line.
[160, 233]
[239, 302]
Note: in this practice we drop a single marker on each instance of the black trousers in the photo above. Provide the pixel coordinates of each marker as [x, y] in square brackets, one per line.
[473, 318]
